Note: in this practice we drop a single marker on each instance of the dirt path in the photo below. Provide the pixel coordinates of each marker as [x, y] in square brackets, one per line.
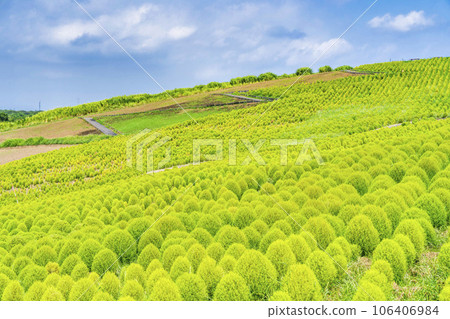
[99, 126]
[10, 154]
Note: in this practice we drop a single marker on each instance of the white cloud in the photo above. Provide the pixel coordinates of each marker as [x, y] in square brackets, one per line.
[401, 22]
[140, 29]
[297, 52]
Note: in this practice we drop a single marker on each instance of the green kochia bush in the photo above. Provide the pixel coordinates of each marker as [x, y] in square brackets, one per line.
[407, 246]
[444, 258]
[210, 273]
[322, 231]
[368, 291]
[323, 267]
[391, 251]
[88, 250]
[229, 235]
[281, 256]
[299, 247]
[105, 260]
[232, 287]
[415, 232]
[122, 244]
[434, 207]
[301, 284]
[30, 274]
[360, 231]
[259, 274]
[165, 290]
[192, 287]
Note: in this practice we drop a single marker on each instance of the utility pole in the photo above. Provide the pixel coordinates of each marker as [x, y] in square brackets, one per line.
[39, 106]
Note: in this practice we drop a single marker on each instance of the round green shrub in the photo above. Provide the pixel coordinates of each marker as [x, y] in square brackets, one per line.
[65, 285]
[52, 294]
[309, 238]
[280, 296]
[215, 251]
[149, 253]
[444, 295]
[35, 292]
[102, 296]
[88, 250]
[244, 216]
[391, 251]
[394, 213]
[379, 220]
[192, 287]
[415, 232]
[181, 265]
[202, 236]
[170, 254]
[52, 279]
[13, 292]
[227, 263]
[229, 235]
[444, 258]
[156, 275]
[195, 255]
[345, 246]
[135, 272]
[211, 223]
[323, 267]
[260, 226]
[435, 209]
[210, 274]
[30, 274]
[232, 287]
[368, 291]
[69, 263]
[70, 247]
[44, 255]
[253, 237]
[133, 289]
[384, 267]
[408, 248]
[139, 226]
[122, 244]
[270, 237]
[359, 181]
[110, 284]
[52, 267]
[258, 272]
[79, 271]
[105, 260]
[299, 247]
[301, 284]
[168, 224]
[322, 231]
[360, 231]
[82, 290]
[430, 232]
[151, 236]
[165, 290]
[4, 280]
[20, 263]
[281, 256]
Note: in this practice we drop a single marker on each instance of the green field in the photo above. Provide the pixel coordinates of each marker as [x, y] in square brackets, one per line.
[358, 209]
[133, 123]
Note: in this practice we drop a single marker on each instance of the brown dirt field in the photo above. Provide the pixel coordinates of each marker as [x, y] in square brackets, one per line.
[10, 154]
[329, 76]
[56, 129]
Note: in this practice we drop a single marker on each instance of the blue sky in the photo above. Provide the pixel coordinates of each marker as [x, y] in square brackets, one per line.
[51, 51]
